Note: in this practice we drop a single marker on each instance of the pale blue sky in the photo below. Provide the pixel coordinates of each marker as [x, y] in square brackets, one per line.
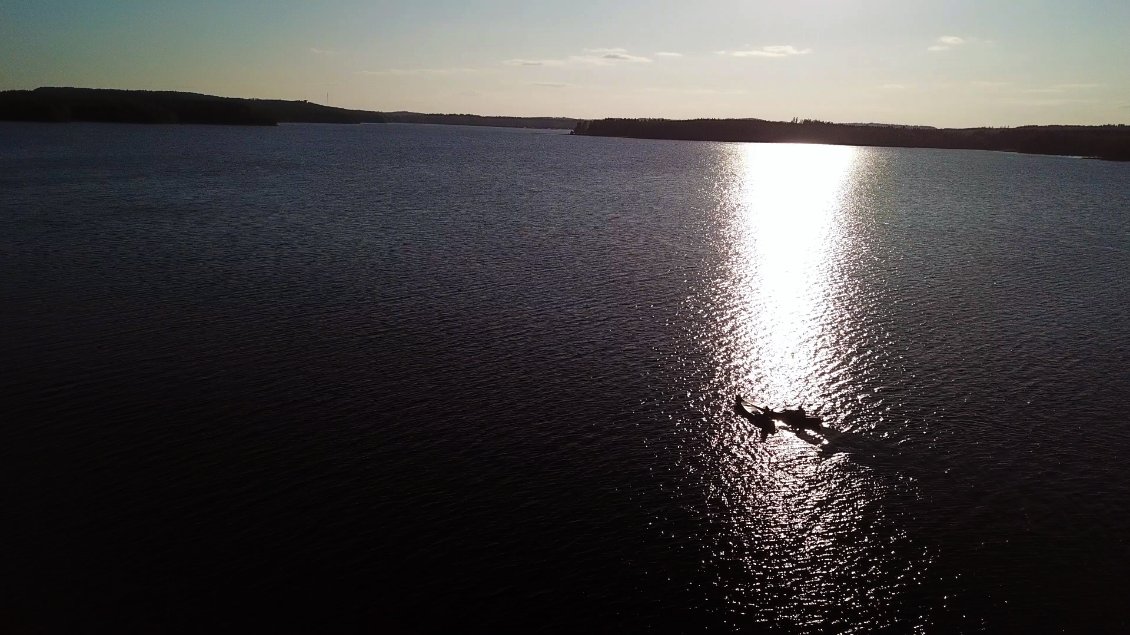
[948, 63]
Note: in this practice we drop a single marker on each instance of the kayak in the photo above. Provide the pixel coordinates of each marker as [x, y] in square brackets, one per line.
[799, 419]
[796, 418]
[755, 415]
[747, 409]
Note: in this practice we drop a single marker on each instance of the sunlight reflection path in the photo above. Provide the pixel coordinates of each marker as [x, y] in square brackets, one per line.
[789, 202]
[807, 540]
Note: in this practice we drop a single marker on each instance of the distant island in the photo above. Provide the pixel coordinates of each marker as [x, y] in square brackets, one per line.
[171, 107]
[1110, 142]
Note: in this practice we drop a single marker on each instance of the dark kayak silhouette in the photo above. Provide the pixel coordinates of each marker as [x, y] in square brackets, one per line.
[759, 415]
[755, 415]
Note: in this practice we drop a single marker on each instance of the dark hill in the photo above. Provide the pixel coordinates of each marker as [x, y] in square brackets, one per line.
[142, 106]
[127, 106]
[306, 112]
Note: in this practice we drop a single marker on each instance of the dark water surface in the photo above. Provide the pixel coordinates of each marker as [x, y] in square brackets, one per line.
[332, 378]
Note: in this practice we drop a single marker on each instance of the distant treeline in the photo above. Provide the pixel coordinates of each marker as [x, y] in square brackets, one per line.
[560, 123]
[1105, 142]
[142, 106]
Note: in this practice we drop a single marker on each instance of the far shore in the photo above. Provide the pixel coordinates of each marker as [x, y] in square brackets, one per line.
[1109, 142]
[1095, 142]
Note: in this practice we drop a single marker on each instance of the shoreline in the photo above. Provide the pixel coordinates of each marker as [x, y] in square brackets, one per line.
[1108, 143]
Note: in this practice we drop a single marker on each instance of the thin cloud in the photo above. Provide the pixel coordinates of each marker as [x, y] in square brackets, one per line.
[699, 91]
[779, 50]
[551, 84]
[524, 62]
[420, 71]
[1050, 101]
[614, 54]
[624, 57]
[317, 51]
[947, 42]
[1055, 89]
[1078, 86]
[1060, 89]
[668, 54]
[592, 57]
[992, 85]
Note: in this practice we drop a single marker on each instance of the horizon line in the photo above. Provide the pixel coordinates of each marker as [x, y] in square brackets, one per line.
[696, 118]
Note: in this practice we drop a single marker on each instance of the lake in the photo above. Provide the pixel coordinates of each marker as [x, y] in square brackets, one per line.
[397, 378]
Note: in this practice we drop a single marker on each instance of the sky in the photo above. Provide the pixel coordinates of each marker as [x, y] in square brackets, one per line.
[929, 62]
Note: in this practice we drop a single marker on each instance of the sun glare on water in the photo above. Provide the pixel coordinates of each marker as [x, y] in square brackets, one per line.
[789, 552]
[788, 205]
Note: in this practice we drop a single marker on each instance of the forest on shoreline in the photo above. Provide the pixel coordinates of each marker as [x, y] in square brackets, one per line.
[172, 107]
[1102, 142]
